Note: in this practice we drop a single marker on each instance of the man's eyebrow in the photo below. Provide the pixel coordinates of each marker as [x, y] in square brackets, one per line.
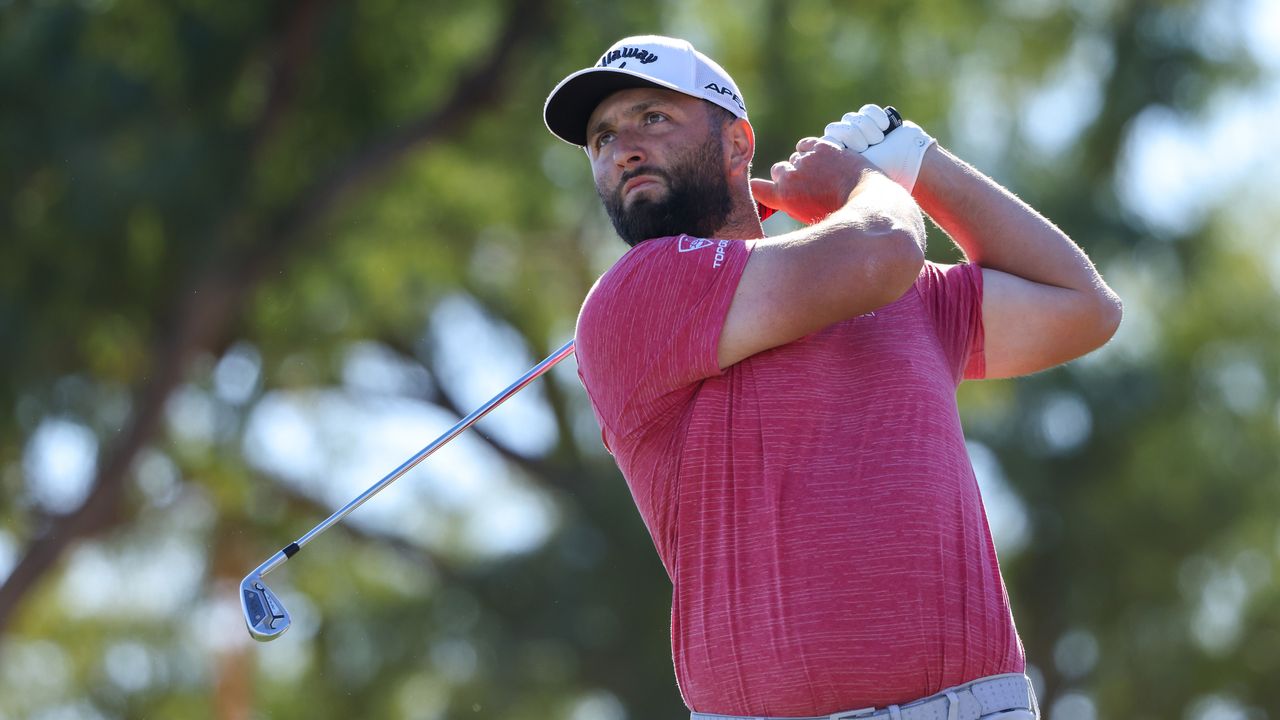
[639, 107]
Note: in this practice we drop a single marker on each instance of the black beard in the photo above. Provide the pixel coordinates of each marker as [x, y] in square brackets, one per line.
[697, 201]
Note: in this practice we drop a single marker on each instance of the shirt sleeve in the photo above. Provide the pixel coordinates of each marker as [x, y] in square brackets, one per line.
[649, 330]
[953, 296]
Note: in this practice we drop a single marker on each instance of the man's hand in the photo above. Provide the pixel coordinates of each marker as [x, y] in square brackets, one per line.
[898, 154]
[859, 130]
[816, 181]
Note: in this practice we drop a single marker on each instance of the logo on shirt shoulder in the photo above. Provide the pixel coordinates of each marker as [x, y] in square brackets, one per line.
[689, 244]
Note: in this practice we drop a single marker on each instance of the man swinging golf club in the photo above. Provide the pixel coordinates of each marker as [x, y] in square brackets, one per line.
[783, 409]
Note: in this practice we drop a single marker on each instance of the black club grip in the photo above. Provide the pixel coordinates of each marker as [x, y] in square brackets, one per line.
[895, 118]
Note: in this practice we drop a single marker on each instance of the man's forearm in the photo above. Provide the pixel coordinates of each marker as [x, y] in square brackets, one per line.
[997, 230]
[880, 201]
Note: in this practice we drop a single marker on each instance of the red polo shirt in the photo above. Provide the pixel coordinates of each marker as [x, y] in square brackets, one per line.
[814, 504]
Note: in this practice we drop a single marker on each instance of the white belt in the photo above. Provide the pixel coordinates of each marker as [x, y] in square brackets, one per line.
[970, 701]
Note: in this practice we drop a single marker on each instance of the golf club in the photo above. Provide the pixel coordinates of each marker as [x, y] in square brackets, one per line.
[266, 616]
[263, 612]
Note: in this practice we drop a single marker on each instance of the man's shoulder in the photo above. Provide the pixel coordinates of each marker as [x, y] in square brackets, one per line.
[657, 290]
[672, 246]
[617, 282]
[655, 262]
[638, 255]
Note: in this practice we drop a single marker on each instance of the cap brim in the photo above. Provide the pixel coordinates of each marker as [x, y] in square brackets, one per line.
[572, 101]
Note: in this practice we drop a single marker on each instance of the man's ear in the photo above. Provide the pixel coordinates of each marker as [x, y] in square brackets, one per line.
[740, 146]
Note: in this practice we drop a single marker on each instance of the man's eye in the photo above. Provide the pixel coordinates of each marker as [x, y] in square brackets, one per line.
[604, 139]
[654, 117]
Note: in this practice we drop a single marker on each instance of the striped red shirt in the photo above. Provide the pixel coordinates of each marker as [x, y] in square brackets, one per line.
[814, 504]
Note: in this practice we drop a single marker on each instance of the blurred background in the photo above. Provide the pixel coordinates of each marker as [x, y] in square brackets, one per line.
[253, 255]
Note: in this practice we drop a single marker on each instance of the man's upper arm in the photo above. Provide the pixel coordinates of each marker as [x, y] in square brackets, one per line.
[648, 330]
[1031, 326]
[799, 283]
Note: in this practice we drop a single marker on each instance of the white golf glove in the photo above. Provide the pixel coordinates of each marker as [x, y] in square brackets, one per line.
[898, 154]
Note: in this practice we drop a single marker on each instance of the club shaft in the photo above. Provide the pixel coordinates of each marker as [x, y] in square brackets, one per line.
[279, 558]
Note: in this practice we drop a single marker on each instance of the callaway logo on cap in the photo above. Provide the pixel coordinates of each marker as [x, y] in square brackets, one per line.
[640, 61]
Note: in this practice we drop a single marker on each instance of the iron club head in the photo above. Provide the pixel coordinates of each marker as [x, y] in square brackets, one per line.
[263, 613]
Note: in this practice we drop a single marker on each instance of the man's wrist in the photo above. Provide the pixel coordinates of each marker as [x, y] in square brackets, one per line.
[900, 153]
[930, 166]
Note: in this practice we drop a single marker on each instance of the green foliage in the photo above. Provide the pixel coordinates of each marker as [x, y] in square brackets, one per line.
[223, 194]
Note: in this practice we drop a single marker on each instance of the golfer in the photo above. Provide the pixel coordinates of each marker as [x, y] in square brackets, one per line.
[783, 409]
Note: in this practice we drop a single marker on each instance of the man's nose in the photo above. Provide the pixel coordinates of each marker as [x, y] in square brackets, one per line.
[628, 151]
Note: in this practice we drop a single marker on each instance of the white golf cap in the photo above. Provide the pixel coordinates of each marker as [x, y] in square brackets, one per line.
[639, 61]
